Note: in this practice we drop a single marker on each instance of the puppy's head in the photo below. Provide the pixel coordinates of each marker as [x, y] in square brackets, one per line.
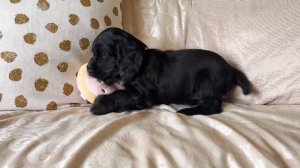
[117, 55]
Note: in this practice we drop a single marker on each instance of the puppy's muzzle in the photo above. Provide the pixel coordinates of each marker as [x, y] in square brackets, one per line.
[91, 69]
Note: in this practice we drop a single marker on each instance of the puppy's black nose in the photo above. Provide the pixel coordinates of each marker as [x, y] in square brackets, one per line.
[90, 69]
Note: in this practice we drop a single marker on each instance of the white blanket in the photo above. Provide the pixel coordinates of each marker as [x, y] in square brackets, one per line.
[256, 136]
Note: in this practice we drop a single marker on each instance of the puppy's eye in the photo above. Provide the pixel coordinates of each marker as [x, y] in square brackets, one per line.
[103, 56]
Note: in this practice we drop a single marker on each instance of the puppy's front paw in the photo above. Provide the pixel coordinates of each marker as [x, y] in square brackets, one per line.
[188, 111]
[100, 106]
[99, 110]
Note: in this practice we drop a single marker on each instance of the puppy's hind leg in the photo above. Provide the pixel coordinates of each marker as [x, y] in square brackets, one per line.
[205, 107]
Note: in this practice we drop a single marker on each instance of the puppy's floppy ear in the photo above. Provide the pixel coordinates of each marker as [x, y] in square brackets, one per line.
[129, 52]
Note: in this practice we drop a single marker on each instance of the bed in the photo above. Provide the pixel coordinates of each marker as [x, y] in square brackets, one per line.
[242, 136]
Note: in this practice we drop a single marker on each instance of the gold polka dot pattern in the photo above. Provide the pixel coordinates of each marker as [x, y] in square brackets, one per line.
[8, 56]
[52, 27]
[84, 43]
[15, 1]
[40, 54]
[15, 74]
[41, 58]
[95, 23]
[62, 67]
[107, 20]
[30, 38]
[68, 89]
[52, 106]
[115, 11]
[73, 19]
[86, 3]
[21, 101]
[43, 5]
[41, 84]
[65, 45]
[21, 19]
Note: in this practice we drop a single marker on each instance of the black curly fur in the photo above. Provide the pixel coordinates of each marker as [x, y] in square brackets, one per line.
[194, 77]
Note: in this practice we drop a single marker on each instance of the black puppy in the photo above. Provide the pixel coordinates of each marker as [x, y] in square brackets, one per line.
[194, 77]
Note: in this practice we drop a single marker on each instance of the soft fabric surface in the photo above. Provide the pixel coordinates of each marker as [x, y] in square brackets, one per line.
[260, 37]
[42, 45]
[256, 136]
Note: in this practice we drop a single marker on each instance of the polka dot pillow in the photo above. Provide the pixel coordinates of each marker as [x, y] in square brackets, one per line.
[42, 45]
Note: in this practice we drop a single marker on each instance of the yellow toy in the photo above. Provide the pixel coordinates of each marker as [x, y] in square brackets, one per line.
[90, 87]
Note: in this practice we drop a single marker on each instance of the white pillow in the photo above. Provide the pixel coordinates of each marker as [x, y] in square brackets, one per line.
[43, 44]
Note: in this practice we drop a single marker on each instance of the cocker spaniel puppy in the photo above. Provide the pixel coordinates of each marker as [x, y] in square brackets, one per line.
[193, 77]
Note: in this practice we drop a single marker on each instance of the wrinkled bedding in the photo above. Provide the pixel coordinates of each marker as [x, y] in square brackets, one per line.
[242, 136]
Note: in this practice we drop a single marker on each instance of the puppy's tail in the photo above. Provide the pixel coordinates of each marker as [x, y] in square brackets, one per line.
[242, 81]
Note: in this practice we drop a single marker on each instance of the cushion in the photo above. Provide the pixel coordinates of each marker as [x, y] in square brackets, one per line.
[261, 38]
[43, 44]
